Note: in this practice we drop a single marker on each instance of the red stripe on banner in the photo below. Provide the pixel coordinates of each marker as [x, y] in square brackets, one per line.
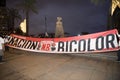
[91, 36]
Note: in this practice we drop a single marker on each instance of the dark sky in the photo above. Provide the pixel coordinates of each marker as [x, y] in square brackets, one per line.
[78, 15]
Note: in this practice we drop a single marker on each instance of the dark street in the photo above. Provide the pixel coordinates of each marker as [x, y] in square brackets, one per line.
[22, 65]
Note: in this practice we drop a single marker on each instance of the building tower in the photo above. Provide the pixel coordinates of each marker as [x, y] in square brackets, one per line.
[59, 32]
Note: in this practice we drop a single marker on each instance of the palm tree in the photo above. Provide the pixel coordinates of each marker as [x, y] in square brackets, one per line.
[27, 6]
[13, 15]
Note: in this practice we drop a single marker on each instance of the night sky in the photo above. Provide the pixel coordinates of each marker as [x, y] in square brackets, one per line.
[78, 15]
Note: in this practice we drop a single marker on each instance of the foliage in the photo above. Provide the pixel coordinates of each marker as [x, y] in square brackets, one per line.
[96, 2]
[14, 14]
[27, 5]
[7, 19]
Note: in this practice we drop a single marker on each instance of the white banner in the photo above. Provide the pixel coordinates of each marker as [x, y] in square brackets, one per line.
[97, 42]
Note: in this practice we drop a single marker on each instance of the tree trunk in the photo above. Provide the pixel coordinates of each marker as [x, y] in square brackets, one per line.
[27, 22]
[109, 23]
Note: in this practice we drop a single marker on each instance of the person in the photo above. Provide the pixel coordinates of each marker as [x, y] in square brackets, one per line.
[1, 48]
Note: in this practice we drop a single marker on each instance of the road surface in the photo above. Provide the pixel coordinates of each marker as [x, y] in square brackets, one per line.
[23, 65]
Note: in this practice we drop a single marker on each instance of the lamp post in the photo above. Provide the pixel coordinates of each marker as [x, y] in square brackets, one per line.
[46, 34]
